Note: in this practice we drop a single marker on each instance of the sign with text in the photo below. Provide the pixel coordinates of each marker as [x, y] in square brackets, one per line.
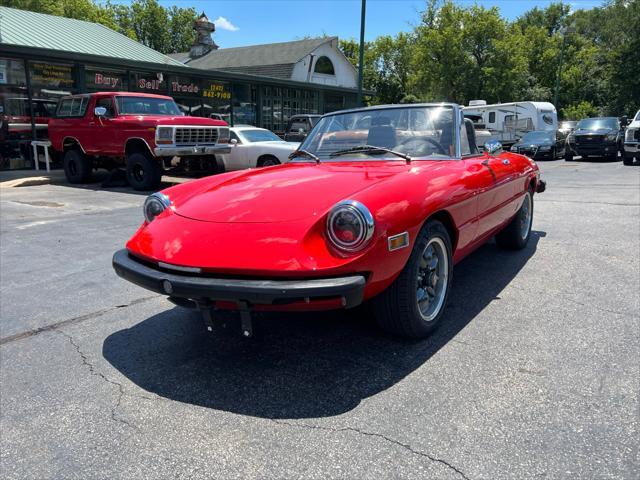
[150, 82]
[52, 75]
[106, 80]
[181, 86]
[217, 91]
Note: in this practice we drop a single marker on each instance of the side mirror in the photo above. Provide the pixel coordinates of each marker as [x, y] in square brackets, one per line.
[493, 147]
[100, 111]
[233, 141]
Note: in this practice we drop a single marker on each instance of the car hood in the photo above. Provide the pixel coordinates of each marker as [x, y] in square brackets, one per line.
[534, 144]
[174, 120]
[279, 144]
[594, 131]
[282, 193]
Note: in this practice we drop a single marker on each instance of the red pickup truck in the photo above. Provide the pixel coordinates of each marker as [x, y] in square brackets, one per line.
[142, 131]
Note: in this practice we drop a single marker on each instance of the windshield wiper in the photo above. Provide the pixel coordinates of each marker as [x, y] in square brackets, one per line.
[304, 153]
[369, 149]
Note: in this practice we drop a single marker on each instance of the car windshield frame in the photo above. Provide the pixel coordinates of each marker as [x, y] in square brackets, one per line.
[434, 120]
[637, 117]
[120, 99]
[538, 135]
[608, 123]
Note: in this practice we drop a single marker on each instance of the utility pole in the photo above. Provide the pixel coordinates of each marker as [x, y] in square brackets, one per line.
[361, 60]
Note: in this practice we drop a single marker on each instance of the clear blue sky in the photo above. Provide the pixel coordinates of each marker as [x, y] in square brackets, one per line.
[268, 21]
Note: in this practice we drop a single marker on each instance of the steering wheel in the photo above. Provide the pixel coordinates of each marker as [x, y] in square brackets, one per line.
[419, 148]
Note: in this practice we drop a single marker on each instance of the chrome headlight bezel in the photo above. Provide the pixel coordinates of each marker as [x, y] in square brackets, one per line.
[158, 201]
[354, 210]
[612, 137]
[164, 135]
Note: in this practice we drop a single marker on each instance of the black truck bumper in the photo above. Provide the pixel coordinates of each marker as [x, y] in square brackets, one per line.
[247, 291]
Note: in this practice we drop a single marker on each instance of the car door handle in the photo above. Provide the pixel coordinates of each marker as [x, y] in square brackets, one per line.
[506, 162]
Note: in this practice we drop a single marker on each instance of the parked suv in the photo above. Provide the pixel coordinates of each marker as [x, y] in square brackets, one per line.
[602, 137]
[299, 127]
[632, 141]
[142, 131]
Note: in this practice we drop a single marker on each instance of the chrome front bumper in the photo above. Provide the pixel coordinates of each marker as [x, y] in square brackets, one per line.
[632, 147]
[184, 151]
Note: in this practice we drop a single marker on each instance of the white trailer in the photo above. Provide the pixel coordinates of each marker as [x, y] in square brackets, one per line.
[508, 122]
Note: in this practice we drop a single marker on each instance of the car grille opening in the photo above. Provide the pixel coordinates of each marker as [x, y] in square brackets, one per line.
[196, 136]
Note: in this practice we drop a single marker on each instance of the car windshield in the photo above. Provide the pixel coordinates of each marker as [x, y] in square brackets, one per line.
[598, 123]
[637, 117]
[421, 132]
[147, 106]
[257, 135]
[537, 136]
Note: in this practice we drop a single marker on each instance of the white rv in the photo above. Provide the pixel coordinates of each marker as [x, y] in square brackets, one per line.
[508, 122]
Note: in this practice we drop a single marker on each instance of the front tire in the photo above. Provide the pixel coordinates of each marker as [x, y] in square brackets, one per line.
[143, 172]
[414, 303]
[515, 236]
[568, 155]
[77, 166]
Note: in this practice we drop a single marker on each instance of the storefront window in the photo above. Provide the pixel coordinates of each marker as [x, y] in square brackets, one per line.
[12, 72]
[149, 83]
[101, 80]
[333, 102]
[216, 100]
[15, 116]
[244, 104]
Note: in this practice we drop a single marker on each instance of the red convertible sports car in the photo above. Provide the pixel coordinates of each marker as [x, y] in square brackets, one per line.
[376, 205]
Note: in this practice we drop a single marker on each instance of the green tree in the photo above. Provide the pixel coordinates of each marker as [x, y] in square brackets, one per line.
[579, 111]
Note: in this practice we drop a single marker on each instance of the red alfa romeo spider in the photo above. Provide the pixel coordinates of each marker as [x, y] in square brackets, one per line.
[376, 205]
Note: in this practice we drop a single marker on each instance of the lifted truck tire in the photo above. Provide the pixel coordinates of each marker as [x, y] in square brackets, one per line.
[77, 166]
[143, 172]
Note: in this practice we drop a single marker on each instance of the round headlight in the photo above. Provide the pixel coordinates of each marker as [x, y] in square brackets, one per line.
[154, 205]
[350, 225]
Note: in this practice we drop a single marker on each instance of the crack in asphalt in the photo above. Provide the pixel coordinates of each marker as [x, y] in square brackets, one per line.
[72, 321]
[376, 435]
[94, 372]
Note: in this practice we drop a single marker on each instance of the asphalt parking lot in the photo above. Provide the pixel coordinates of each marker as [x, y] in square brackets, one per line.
[535, 372]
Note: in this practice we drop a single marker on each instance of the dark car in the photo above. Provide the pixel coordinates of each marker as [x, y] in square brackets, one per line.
[567, 126]
[541, 144]
[299, 127]
[601, 137]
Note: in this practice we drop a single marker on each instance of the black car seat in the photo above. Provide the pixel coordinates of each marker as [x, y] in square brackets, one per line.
[471, 136]
[382, 133]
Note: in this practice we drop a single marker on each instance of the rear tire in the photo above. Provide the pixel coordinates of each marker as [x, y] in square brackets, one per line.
[268, 161]
[77, 166]
[626, 160]
[515, 236]
[143, 172]
[414, 303]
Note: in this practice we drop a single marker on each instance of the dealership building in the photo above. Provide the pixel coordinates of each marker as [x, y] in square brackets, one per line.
[44, 57]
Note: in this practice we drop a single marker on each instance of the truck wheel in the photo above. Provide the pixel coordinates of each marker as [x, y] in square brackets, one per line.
[77, 166]
[516, 235]
[143, 172]
[414, 303]
[627, 159]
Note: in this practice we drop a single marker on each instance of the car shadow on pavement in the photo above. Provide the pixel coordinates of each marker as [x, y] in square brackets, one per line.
[300, 365]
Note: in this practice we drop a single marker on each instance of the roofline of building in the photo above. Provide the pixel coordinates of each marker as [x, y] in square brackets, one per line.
[61, 55]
